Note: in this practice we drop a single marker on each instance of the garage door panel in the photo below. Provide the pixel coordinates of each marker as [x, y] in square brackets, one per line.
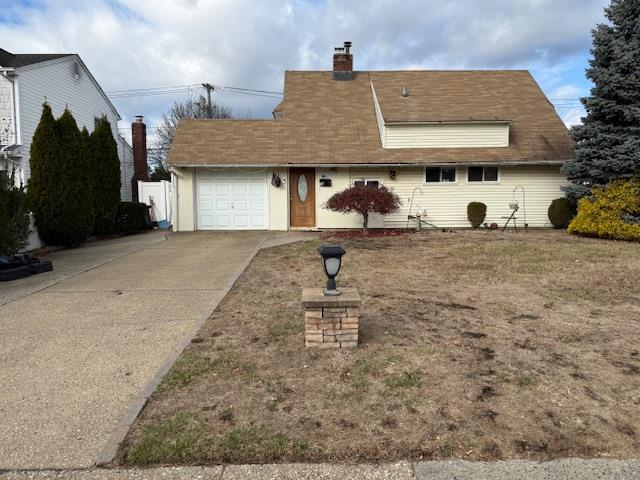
[222, 190]
[239, 190]
[241, 206]
[223, 205]
[232, 200]
[256, 189]
[206, 189]
[205, 205]
[257, 221]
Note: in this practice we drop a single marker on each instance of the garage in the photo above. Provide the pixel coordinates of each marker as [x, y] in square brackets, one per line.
[231, 200]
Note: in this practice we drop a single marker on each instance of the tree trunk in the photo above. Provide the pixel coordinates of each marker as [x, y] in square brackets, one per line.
[365, 223]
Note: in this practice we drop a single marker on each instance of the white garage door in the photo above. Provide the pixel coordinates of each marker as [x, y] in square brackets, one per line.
[231, 200]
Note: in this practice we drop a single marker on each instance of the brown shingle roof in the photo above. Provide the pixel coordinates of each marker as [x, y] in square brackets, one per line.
[332, 122]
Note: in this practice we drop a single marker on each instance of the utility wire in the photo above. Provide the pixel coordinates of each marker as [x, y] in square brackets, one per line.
[145, 92]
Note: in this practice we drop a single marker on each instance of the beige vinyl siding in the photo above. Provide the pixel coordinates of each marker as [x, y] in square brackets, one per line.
[447, 135]
[379, 117]
[279, 201]
[446, 203]
[184, 199]
[340, 180]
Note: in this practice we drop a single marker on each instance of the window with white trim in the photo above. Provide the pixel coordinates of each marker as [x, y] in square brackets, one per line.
[482, 174]
[440, 174]
[369, 182]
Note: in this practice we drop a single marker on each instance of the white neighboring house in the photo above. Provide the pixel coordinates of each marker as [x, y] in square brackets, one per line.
[63, 81]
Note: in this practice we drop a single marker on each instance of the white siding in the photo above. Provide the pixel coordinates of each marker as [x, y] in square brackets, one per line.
[446, 203]
[447, 135]
[7, 117]
[55, 83]
[125, 152]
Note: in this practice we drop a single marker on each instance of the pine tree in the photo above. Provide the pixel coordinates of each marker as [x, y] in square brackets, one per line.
[67, 207]
[43, 161]
[106, 178]
[608, 141]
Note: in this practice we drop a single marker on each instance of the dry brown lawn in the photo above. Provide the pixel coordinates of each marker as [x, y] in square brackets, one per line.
[475, 345]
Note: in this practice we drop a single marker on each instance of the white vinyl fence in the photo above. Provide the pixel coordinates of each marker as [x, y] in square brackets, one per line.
[158, 196]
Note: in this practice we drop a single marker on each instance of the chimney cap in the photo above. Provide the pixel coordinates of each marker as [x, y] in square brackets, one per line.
[139, 118]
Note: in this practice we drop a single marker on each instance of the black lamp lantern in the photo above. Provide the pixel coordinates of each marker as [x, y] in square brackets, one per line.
[331, 261]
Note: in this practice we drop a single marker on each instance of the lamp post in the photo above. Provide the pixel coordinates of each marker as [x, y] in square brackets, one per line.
[331, 261]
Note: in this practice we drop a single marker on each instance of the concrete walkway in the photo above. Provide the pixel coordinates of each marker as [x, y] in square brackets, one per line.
[569, 469]
[82, 347]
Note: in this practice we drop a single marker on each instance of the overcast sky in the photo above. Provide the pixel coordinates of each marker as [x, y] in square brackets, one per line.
[133, 44]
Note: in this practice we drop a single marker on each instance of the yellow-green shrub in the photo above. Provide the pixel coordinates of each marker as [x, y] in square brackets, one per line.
[604, 213]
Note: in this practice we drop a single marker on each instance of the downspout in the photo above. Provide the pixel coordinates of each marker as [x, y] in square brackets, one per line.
[174, 207]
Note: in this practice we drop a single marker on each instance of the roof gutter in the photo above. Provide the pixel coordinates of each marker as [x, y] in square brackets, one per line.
[351, 165]
[447, 122]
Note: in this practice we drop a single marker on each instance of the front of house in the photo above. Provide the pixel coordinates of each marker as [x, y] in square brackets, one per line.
[439, 139]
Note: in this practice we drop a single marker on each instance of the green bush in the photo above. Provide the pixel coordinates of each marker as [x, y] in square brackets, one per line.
[476, 213]
[611, 212]
[58, 189]
[14, 216]
[132, 217]
[561, 212]
[105, 180]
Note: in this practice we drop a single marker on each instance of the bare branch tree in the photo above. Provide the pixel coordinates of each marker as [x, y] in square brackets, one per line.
[191, 108]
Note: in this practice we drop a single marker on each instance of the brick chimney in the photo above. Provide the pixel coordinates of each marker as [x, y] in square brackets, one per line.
[140, 167]
[343, 63]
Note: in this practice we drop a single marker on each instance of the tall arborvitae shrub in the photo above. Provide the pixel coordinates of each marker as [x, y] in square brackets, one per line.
[106, 178]
[67, 207]
[608, 142]
[44, 166]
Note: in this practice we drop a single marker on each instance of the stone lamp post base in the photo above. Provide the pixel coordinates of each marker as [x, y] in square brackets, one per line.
[331, 322]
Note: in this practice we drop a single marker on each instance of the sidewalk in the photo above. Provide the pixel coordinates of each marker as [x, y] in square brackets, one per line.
[568, 469]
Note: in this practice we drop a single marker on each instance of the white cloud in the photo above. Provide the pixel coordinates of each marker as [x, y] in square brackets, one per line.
[132, 44]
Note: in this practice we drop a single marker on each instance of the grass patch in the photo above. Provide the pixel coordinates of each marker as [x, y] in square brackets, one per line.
[454, 360]
[359, 374]
[405, 380]
[285, 328]
[516, 377]
[189, 366]
[258, 445]
[181, 439]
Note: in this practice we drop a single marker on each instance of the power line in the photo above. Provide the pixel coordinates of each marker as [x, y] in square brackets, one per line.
[145, 92]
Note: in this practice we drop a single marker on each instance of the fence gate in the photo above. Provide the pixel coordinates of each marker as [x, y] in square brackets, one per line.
[158, 196]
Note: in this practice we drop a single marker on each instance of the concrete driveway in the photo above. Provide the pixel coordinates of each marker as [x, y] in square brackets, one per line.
[81, 346]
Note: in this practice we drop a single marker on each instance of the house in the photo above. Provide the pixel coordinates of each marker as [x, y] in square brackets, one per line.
[63, 81]
[445, 138]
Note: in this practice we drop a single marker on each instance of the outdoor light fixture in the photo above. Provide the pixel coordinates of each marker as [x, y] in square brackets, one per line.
[331, 260]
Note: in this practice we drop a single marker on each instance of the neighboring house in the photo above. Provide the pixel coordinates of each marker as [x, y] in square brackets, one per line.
[446, 137]
[63, 81]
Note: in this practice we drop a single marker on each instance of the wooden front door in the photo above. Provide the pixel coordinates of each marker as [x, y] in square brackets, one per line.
[302, 197]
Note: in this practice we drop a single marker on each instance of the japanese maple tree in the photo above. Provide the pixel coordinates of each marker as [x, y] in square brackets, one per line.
[364, 199]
